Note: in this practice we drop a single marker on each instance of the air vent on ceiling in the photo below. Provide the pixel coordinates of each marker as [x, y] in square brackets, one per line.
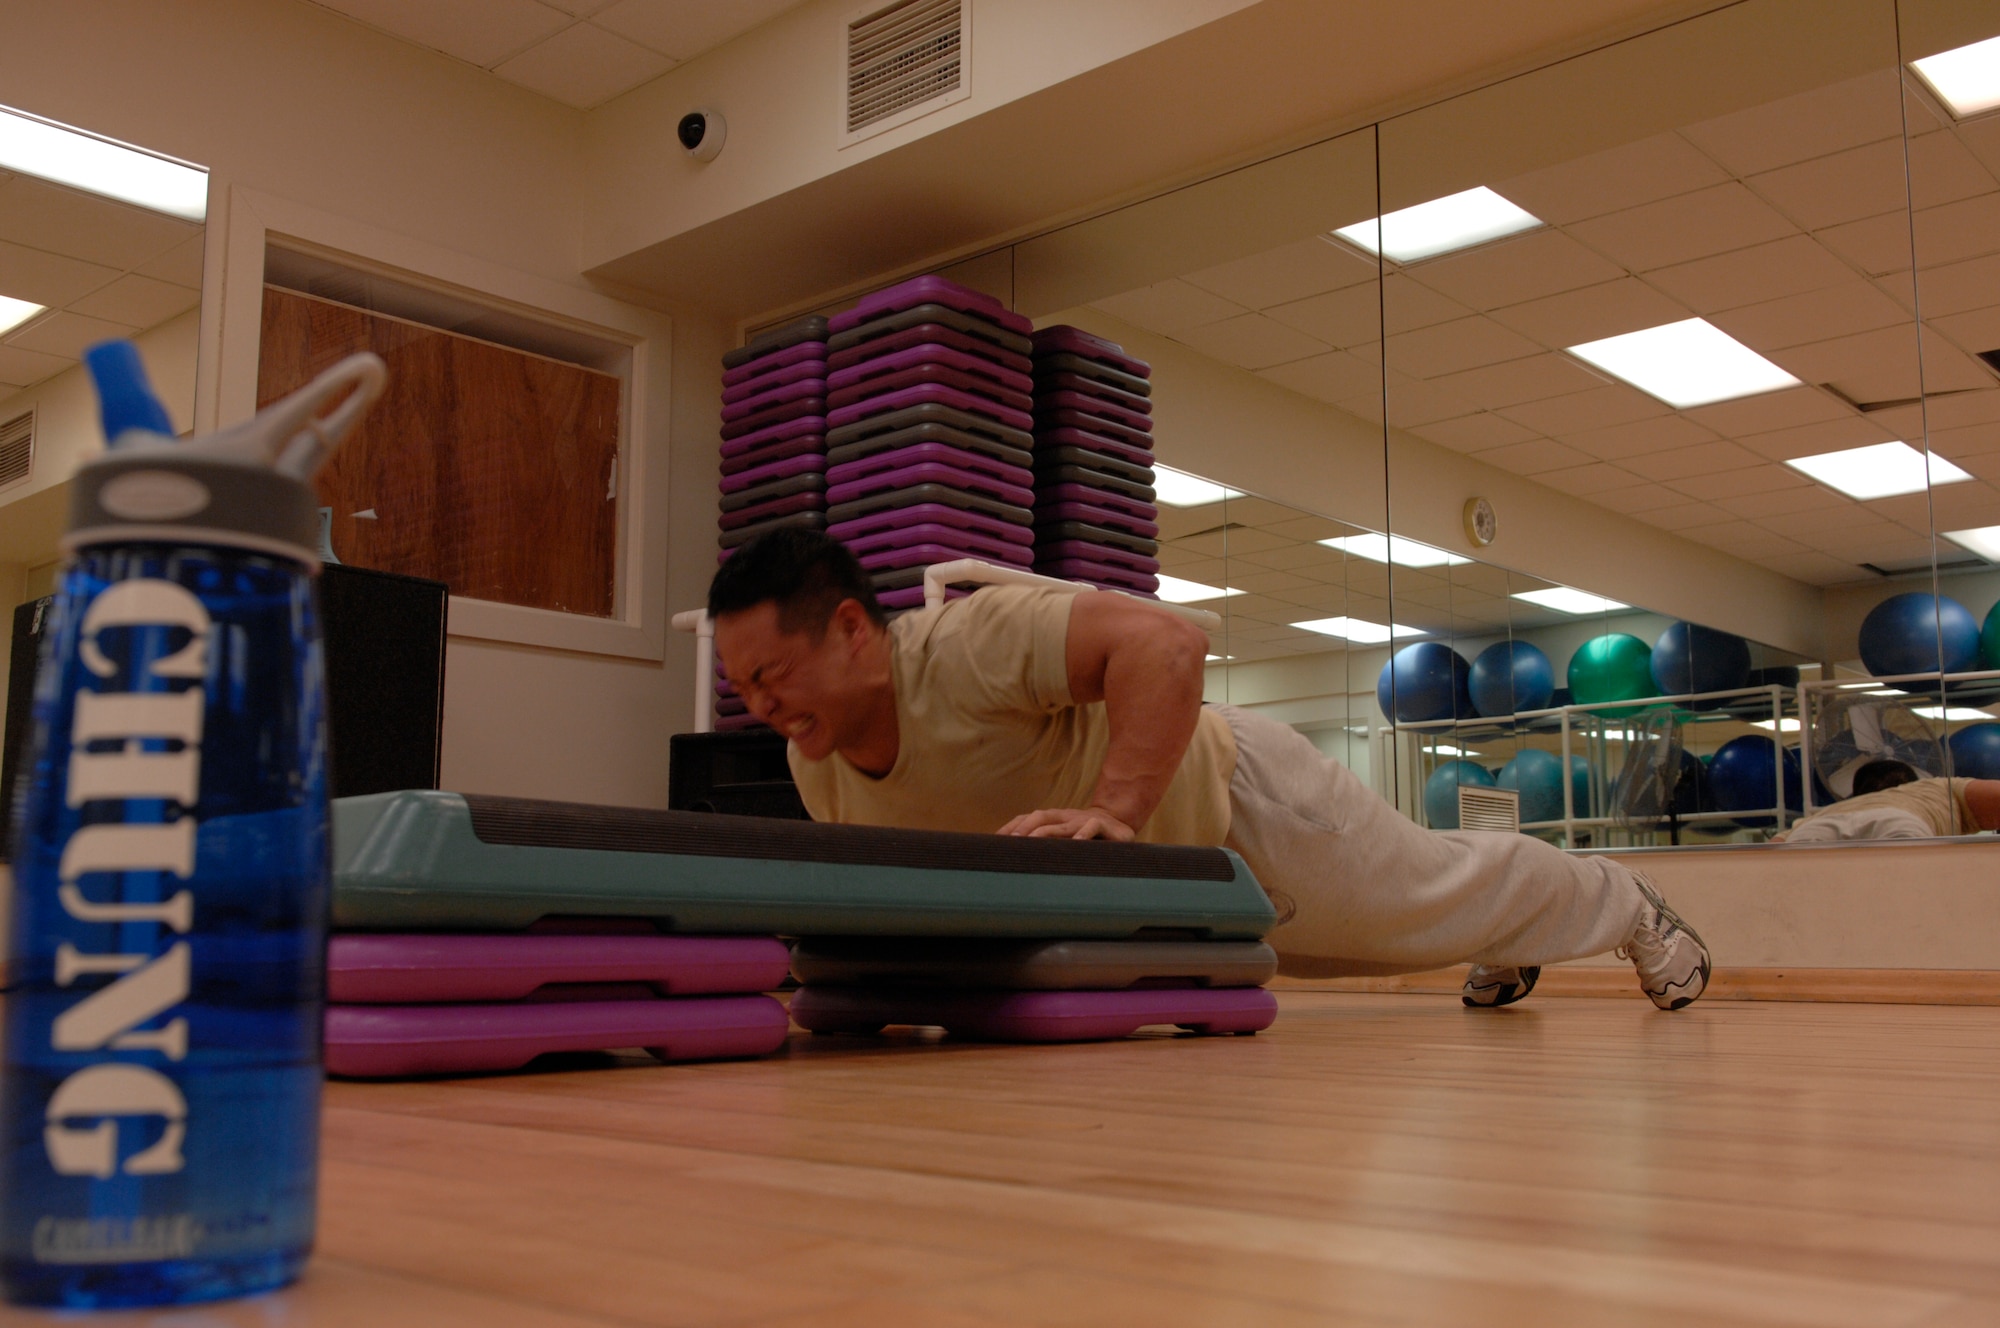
[904, 60]
[17, 449]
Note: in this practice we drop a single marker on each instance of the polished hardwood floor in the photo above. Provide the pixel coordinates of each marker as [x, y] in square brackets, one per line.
[1372, 1160]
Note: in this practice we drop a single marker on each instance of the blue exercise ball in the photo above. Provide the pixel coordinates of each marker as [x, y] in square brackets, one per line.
[1743, 774]
[1424, 682]
[1511, 676]
[1975, 751]
[1904, 633]
[1537, 776]
[1441, 791]
[1690, 658]
[1690, 791]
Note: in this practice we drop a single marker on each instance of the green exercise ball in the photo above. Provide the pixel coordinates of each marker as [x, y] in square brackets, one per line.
[1989, 640]
[1612, 667]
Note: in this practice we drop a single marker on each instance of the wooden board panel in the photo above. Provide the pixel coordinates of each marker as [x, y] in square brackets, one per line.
[487, 468]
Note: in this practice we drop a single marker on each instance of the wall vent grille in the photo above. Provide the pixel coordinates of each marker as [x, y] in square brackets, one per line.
[901, 57]
[1482, 808]
[17, 449]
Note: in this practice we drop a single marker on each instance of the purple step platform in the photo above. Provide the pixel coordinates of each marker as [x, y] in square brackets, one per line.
[811, 482]
[929, 394]
[1100, 574]
[778, 451]
[784, 393]
[901, 522]
[963, 421]
[790, 412]
[905, 295]
[1052, 404]
[1091, 390]
[944, 357]
[1070, 438]
[918, 453]
[1091, 478]
[931, 334]
[731, 705]
[803, 463]
[1092, 514]
[1084, 532]
[1034, 1016]
[923, 555]
[929, 375]
[929, 433]
[949, 495]
[1067, 340]
[968, 543]
[737, 537]
[912, 598]
[810, 330]
[1051, 495]
[736, 723]
[390, 1041]
[1099, 553]
[923, 315]
[785, 431]
[365, 968]
[937, 473]
[1096, 371]
[762, 512]
[799, 361]
[1055, 454]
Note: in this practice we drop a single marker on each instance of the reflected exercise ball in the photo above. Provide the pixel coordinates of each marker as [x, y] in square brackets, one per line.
[1975, 751]
[1511, 676]
[1537, 776]
[1690, 658]
[1613, 667]
[1743, 774]
[1424, 682]
[1904, 633]
[1989, 639]
[1441, 791]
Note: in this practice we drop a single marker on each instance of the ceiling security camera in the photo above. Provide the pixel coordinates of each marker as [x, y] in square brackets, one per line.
[701, 133]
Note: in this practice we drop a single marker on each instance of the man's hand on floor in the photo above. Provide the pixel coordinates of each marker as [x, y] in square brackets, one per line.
[1070, 823]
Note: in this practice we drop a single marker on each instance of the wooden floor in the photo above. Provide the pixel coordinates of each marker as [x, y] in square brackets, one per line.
[1373, 1159]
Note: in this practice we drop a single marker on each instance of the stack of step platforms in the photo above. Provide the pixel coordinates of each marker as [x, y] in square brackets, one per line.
[1096, 518]
[913, 901]
[929, 400]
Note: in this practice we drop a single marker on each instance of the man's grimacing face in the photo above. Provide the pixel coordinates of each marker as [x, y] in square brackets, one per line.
[802, 685]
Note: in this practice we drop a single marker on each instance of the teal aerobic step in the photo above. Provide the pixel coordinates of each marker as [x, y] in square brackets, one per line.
[424, 860]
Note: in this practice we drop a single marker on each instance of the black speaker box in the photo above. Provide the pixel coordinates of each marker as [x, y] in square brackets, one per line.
[739, 774]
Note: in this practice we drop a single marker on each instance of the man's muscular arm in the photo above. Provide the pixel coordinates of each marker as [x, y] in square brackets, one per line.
[1145, 664]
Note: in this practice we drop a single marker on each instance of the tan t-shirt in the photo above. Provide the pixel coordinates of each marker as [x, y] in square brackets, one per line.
[1939, 803]
[988, 731]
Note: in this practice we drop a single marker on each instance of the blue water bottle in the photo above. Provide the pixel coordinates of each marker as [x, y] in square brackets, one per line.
[160, 1080]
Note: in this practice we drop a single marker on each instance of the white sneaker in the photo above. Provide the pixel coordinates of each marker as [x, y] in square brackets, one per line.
[1673, 963]
[1489, 985]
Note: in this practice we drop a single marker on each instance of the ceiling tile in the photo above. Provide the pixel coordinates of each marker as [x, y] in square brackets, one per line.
[1526, 267]
[1332, 377]
[1808, 497]
[1982, 137]
[1795, 320]
[584, 66]
[1252, 341]
[1882, 365]
[579, 8]
[1168, 307]
[1955, 231]
[1943, 171]
[1532, 378]
[45, 278]
[78, 225]
[1846, 186]
[1971, 441]
[1473, 433]
[19, 367]
[1408, 304]
[1607, 181]
[484, 32]
[1771, 410]
[1812, 124]
[1290, 272]
[1415, 403]
[685, 28]
[1598, 477]
[1714, 488]
[1977, 331]
[1593, 312]
[1533, 457]
[1560, 416]
[66, 334]
[1464, 343]
[1834, 435]
[1748, 276]
[1682, 515]
[1638, 497]
[139, 301]
[180, 265]
[1963, 408]
[1814, 568]
[1955, 288]
[1662, 433]
[1689, 226]
[1340, 318]
[1701, 459]
[1877, 245]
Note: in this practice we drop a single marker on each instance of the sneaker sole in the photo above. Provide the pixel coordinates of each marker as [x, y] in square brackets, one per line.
[1529, 976]
[1652, 894]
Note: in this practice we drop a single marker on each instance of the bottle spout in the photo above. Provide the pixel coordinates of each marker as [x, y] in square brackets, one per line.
[289, 434]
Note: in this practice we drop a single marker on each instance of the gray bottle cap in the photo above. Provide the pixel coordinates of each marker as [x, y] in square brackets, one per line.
[169, 495]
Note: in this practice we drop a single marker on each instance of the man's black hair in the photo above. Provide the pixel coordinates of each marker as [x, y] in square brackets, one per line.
[1883, 774]
[806, 573]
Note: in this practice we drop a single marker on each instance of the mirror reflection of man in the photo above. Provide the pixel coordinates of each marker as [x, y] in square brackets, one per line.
[1893, 800]
[1030, 711]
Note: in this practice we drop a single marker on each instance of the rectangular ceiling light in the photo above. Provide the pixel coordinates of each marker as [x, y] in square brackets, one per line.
[1784, 725]
[1457, 221]
[1177, 488]
[1565, 600]
[1880, 470]
[1393, 549]
[1446, 749]
[1950, 712]
[51, 151]
[1357, 629]
[13, 313]
[1689, 363]
[1984, 541]
[1966, 79]
[1175, 590]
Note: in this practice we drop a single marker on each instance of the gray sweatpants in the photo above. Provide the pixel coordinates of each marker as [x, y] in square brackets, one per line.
[1361, 889]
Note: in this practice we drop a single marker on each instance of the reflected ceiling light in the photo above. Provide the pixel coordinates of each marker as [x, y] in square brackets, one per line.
[1689, 363]
[1177, 488]
[1210, 659]
[84, 161]
[1785, 725]
[1880, 470]
[13, 312]
[1393, 549]
[1565, 600]
[1984, 541]
[1966, 79]
[1446, 749]
[1357, 629]
[1174, 590]
[1950, 712]
[1457, 221]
